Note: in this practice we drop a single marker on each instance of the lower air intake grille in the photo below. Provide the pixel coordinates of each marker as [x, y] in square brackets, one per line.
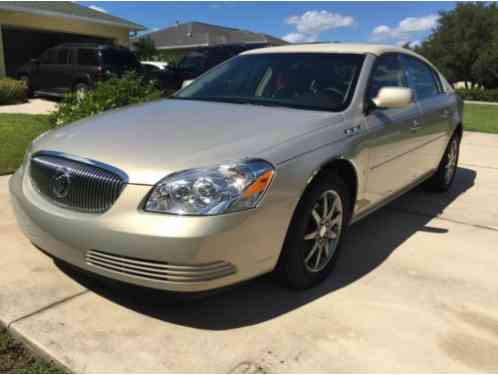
[158, 271]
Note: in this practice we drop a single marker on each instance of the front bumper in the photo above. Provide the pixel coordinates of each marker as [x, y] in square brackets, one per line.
[175, 253]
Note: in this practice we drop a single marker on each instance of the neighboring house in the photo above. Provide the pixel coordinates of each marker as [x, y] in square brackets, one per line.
[185, 37]
[28, 28]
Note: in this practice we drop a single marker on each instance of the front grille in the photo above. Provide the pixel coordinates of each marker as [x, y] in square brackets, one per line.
[158, 271]
[79, 185]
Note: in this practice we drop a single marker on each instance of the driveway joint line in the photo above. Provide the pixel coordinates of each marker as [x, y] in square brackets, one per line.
[45, 308]
[442, 218]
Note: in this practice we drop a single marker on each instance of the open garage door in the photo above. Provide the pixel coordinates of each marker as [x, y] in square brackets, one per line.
[21, 45]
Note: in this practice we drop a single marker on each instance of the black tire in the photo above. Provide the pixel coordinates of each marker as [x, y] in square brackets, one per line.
[443, 178]
[25, 79]
[292, 268]
[81, 88]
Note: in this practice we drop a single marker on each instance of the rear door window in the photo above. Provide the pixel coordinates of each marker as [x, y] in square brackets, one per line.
[49, 57]
[64, 57]
[421, 78]
[88, 57]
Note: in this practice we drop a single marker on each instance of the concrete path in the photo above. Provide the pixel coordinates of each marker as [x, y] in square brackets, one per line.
[416, 290]
[32, 107]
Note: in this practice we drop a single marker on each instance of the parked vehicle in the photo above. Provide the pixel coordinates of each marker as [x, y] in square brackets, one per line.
[75, 67]
[194, 63]
[259, 165]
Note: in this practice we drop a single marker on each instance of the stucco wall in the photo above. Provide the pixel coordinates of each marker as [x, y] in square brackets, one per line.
[18, 19]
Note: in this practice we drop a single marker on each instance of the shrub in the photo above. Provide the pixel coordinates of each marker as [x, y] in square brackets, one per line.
[481, 95]
[109, 94]
[12, 91]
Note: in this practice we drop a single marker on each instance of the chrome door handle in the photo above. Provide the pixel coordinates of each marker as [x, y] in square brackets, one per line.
[445, 114]
[415, 126]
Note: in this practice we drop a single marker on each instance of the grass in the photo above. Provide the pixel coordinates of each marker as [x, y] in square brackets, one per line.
[15, 358]
[16, 132]
[480, 118]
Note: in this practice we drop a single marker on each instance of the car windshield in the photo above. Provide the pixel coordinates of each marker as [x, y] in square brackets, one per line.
[318, 81]
[120, 58]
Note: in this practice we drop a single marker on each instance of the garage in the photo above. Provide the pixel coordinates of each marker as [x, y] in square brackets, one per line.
[28, 28]
[34, 42]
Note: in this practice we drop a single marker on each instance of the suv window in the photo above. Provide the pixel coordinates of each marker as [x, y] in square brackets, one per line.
[64, 57]
[120, 58]
[88, 57]
[387, 72]
[421, 78]
[49, 57]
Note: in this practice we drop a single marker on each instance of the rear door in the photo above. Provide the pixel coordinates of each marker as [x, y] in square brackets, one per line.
[63, 70]
[432, 134]
[390, 141]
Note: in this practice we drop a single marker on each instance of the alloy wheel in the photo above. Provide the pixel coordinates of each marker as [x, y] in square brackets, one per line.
[324, 230]
[451, 163]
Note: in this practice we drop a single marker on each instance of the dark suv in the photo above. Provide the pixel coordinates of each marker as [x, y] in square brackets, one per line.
[194, 63]
[76, 66]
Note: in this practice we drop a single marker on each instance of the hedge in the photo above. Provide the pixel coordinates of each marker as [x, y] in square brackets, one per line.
[12, 91]
[481, 95]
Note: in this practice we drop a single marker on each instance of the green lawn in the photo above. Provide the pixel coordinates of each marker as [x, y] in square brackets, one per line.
[15, 358]
[16, 132]
[480, 118]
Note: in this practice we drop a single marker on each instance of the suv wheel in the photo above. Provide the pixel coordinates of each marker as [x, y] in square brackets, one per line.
[25, 79]
[81, 89]
[313, 240]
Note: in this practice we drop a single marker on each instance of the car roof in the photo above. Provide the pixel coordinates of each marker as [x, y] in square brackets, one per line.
[375, 49]
[88, 45]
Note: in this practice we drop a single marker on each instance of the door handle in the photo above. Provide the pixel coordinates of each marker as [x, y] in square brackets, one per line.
[446, 113]
[415, 126]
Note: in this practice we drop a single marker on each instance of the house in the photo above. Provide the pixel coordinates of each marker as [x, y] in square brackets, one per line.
[184, 37]
[28, 28]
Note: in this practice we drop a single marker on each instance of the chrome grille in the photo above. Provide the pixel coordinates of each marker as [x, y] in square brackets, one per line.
[158, 271]
[76, 184]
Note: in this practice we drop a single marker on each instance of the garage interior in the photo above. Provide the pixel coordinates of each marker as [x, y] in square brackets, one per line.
[22, 44]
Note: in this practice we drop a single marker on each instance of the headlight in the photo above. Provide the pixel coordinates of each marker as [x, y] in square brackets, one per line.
[211, 191]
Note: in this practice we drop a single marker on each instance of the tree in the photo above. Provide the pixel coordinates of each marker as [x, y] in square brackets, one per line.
[464, 44]
[145, 48]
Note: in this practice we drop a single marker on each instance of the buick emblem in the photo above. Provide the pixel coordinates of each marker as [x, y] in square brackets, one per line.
[60, 183]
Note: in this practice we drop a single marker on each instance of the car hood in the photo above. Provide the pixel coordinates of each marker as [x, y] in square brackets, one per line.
[151, 140]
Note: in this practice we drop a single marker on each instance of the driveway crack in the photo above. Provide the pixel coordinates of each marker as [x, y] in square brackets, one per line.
[54, 304]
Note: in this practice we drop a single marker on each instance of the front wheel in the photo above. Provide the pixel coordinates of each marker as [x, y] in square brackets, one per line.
[314, 236]
[443, 178]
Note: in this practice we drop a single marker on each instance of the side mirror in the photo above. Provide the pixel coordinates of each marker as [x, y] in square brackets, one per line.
[394, 97]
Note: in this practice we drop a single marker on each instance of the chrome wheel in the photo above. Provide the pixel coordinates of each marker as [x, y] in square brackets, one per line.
[451, 164]
[324, 231]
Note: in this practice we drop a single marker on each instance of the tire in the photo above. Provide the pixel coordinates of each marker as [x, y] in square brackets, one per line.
[443, 178]
[25, 79]
[298, 266]
[81, 89]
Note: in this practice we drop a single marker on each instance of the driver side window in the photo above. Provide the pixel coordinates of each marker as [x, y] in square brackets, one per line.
[387, 72]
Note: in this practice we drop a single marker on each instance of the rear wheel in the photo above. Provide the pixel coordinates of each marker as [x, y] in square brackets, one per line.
[314, 236]
[25, 79]
[443, 178]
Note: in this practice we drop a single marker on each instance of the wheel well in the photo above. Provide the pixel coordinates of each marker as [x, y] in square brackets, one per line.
[344, 169]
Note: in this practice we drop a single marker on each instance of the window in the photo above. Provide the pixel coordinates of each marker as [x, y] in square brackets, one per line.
[49, 57]
[387, 72]
[88, 57]
[64, 57]
[421, 78]
[317, 81]
[120, 58]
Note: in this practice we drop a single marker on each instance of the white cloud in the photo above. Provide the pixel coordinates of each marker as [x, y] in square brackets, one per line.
[97, 8]
[300, 38]
[405, 29]
[310, 24]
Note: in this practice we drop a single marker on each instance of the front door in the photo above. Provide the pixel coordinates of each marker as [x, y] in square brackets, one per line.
[390, 134]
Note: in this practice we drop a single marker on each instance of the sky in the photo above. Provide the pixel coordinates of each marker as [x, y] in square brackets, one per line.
[374, 22]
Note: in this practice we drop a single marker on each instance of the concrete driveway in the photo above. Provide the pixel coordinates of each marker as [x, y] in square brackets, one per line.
[36, 106]
[416, 290]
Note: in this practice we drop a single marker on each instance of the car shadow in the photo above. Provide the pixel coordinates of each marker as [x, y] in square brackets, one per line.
[367, 245]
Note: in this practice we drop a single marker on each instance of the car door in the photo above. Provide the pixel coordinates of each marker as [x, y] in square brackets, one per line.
[389, 133]
[435, 107]
[64, 70]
